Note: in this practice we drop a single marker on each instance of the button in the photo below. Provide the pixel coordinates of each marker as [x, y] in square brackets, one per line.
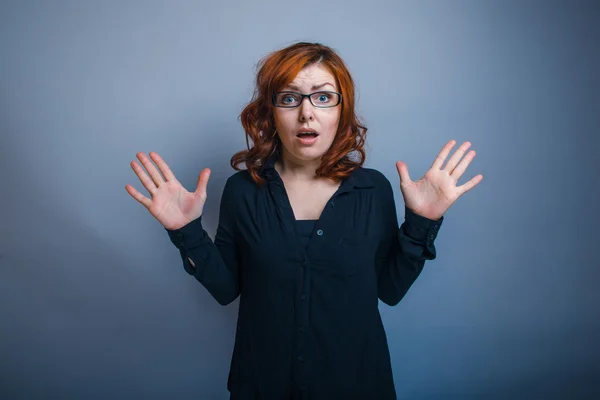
[320, 232]
[431, 236]
[303, 297]
[179, 234]
[332, 203]
[300, 358]
[303, 263]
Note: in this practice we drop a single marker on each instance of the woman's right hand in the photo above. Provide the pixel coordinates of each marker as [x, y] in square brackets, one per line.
[171, 204]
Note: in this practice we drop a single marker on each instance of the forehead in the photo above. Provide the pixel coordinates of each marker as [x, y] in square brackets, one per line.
[313, 75]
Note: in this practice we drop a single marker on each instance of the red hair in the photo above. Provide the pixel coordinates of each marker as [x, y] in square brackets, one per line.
[278, 69]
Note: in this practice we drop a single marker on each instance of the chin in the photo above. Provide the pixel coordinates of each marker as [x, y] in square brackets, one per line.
[310, 154]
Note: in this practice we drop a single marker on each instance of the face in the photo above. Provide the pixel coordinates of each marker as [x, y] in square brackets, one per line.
[289, 121]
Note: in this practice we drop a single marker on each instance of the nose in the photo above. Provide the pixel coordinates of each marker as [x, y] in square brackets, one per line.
[306, 109]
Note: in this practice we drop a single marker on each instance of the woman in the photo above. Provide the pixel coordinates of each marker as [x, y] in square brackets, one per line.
[307, 237]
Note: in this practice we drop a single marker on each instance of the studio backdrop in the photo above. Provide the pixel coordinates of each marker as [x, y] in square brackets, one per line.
[94, 300]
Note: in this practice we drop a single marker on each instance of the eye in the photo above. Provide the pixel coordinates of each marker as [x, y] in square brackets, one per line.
[287, 99]
[323, 97]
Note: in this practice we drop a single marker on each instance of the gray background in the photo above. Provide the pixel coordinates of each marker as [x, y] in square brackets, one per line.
[94, 301]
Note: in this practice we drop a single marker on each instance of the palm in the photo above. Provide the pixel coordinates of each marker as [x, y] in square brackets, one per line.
[433, 194]
[171, 204]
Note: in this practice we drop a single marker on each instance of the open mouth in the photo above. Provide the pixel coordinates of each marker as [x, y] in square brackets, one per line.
[307, 138]
[307, 135]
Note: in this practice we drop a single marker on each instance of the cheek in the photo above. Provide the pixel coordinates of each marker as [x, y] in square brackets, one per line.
[283, 120]
[333, 121]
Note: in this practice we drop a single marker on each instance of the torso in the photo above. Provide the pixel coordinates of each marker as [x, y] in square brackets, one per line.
[309, 199]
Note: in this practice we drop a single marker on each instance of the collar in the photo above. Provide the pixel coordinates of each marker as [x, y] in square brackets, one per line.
[359, 178]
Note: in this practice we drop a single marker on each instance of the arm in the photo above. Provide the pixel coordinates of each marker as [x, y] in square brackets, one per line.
[403, 251]
[214, 265]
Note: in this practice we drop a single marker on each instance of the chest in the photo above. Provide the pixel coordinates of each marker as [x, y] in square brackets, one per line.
[346, 234]
[309, 201]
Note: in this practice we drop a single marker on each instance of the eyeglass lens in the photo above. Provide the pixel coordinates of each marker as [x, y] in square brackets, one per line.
[318, 99]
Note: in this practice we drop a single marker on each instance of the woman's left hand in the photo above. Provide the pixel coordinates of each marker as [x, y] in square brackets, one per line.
[433, 194]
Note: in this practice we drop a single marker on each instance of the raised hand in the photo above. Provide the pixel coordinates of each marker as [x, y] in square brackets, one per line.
[171, 204]
[433, 194]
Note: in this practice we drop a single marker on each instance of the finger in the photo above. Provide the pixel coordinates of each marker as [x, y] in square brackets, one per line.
[162, 165]
[156, 177]
[470, 185]
[203, 181]
[146, 202]
[441, 157]
[146, 181]
[458, 154]
[462, 166]
[403, 172]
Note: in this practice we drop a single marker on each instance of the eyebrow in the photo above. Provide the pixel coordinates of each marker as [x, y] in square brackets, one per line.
[292, 86]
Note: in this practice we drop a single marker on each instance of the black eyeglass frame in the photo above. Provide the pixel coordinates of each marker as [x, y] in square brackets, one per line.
[309, 98]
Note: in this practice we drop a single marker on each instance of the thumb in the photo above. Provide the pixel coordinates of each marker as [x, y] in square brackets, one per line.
[403, 172]
[202, 181]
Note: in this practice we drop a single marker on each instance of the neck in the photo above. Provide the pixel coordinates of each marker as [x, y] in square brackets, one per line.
[296, 169]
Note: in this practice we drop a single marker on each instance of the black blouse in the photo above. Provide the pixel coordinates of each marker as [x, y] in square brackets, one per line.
[305, 228]
[308, 325]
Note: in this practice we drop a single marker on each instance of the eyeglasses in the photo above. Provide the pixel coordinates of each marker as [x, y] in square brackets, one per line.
[317, 99]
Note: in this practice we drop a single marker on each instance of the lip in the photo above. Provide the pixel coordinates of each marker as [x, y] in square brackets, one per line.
[306, 130]
[307, 140]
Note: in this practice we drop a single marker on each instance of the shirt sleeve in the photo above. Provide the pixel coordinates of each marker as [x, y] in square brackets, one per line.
[216, 263]
[402, 251]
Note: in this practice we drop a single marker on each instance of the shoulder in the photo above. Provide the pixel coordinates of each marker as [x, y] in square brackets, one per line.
[373, 177]
[378, 183]
[240, 178]
[381, 191]
[240, 182]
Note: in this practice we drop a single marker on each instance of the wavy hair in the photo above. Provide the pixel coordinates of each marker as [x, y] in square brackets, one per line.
[276, 70]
